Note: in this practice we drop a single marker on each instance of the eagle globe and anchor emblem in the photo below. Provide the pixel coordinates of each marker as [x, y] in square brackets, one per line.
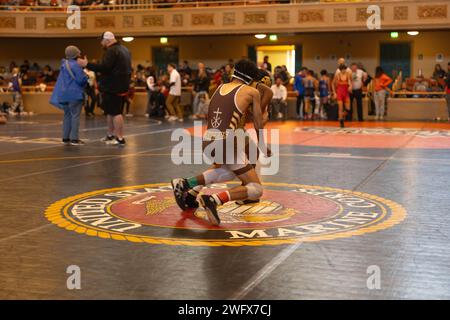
[287, 213]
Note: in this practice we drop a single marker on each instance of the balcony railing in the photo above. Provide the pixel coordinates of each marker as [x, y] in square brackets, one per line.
[109, 5]
[153, 18]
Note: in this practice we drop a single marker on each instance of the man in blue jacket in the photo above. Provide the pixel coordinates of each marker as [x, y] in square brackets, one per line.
[68, 94]
[300, 91]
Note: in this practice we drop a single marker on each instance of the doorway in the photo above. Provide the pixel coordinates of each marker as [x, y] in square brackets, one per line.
[279, 55]
[396, 57]
[162, 56]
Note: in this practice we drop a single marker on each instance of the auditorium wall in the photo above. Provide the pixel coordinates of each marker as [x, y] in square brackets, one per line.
[216, 50]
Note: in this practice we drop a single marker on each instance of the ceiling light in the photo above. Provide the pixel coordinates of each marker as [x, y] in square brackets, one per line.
[260, 36]
[413, 33]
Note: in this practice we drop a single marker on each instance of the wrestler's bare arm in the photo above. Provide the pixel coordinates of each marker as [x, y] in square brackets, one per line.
[349, 79]
[266, 96]
[333, 85]
[257, 112]
[258, 120]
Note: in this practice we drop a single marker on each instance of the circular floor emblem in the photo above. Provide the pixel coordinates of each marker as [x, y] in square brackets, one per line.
[287, 213]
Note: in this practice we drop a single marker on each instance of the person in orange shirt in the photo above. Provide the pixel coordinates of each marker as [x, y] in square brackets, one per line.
[381, 82]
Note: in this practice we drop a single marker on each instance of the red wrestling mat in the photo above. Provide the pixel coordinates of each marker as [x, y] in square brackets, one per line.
[414, 135]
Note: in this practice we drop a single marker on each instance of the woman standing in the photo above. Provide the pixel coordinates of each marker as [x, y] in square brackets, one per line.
[310, 85]
[439, 75]
[201, 87]
[438, 72]
[151, 90]
[324, 91]
[68, 95]
[381, 82]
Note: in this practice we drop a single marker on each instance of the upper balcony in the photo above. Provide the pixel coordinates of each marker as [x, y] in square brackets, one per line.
[178, 17]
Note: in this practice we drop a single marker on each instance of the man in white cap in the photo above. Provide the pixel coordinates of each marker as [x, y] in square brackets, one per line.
[115, 76]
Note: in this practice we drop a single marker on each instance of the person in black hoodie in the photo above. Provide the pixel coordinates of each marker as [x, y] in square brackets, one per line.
[115, 75]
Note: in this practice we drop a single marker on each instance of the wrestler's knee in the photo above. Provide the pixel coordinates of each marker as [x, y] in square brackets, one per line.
[254, 191]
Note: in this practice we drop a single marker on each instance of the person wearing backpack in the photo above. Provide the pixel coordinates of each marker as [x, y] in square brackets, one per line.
[68, 95]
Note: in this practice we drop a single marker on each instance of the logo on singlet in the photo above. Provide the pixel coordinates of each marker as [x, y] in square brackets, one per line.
[216, 121]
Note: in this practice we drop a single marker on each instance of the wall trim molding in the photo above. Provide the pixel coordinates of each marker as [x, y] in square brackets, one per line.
[288, 18]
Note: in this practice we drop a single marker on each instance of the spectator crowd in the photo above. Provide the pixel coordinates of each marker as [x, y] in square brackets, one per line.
[84, 4]
[315, 92]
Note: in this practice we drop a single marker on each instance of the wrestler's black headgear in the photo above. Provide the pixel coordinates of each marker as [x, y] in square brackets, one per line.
[245, 70]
